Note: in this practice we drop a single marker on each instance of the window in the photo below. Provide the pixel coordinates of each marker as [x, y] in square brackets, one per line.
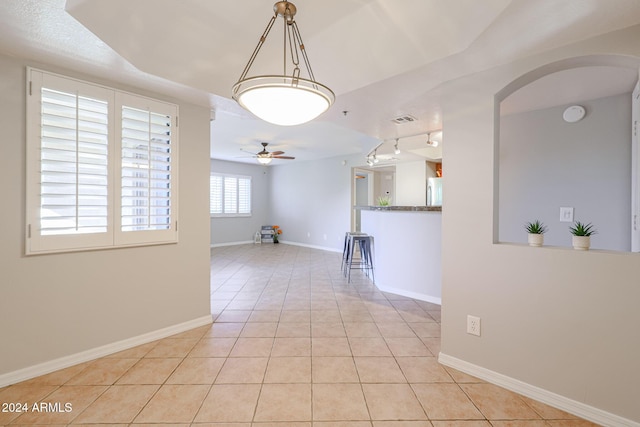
[101, 167]
[230, 195]
[74, 149]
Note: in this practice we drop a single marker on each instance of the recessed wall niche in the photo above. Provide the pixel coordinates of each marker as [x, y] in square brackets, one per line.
[545, 162]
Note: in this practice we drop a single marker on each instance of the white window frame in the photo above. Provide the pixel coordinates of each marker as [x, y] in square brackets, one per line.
[114, 237]
[236, 212]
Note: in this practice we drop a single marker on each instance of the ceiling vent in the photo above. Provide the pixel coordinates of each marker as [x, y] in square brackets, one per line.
[404, 119]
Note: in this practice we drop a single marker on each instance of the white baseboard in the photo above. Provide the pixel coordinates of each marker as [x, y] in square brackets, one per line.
[571, 406]
[409, 294]
[304, 245]
[95, 353]
[286, 242]
[219, 245]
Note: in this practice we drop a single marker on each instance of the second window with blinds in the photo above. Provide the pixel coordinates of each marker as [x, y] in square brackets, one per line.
[230, 195]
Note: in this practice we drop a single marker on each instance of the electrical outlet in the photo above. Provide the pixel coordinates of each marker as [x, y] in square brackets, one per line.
[473, 325]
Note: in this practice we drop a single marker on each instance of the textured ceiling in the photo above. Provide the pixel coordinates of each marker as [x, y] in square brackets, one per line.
[383, 58]
[351, 43]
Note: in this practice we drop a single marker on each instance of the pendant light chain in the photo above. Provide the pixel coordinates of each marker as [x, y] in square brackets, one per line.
[284, 43]
[305, 58]
[292, 33]
[295, 60]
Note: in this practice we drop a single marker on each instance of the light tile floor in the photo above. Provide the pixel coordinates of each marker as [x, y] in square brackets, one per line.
[292, 344]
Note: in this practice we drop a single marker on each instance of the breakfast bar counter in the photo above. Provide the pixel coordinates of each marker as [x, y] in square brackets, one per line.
[407, 249]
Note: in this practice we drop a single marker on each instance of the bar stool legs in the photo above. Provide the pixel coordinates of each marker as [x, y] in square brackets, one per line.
[365, 244]
[346, 248]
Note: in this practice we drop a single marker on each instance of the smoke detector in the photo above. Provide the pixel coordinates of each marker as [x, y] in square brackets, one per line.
[573, 114]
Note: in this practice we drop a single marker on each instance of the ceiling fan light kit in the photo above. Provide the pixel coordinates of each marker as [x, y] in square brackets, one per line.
[286, 99]
[265, 157]
[264, 160]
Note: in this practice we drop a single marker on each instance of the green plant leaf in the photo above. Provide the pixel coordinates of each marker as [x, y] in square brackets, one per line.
[582, 229]
[535, 227]
[384, 201]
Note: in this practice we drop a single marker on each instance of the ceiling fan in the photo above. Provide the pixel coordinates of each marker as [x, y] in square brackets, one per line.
[265, 157]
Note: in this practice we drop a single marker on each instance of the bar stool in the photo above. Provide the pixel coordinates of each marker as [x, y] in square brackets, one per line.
[365, 244]
[347, 245]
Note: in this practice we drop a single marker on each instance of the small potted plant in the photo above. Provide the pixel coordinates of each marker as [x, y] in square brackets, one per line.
[384, 201]
[536, 231]
[581, 232]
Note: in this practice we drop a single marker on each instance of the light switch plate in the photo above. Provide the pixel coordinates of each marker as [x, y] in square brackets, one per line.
[566, 214]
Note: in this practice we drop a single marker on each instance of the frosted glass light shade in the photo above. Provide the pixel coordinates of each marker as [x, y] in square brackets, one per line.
[264, 160]
[282, 100]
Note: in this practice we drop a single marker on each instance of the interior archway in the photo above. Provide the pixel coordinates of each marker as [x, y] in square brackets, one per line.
[544, 163]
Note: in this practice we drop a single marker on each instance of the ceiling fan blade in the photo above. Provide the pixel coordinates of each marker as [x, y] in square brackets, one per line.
[283, 157]
[277, 153]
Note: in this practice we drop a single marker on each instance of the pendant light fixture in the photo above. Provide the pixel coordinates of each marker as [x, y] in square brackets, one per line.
[286, 99]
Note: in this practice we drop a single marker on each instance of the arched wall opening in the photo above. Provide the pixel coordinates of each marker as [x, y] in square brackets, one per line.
[544, 163]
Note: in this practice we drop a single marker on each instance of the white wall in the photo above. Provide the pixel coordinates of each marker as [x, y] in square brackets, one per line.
[411, 184]
[311, 201]
[242, 229]
[562, 321]
[54, 306]
[384, 186]
[546, 163]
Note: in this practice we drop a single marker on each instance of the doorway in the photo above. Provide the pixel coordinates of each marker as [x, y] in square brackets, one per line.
[362, 195]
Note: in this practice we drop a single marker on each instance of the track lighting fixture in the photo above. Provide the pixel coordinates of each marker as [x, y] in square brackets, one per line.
[396, 150]
[431, 143]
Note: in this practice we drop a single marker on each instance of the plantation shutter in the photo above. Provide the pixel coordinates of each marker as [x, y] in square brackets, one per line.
[74, 164]
[215, 194]
[244, 196]
[68, 195]
[147, 169]
[230, 195]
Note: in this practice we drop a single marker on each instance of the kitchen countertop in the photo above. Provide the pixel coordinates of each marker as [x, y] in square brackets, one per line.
[401, 208]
